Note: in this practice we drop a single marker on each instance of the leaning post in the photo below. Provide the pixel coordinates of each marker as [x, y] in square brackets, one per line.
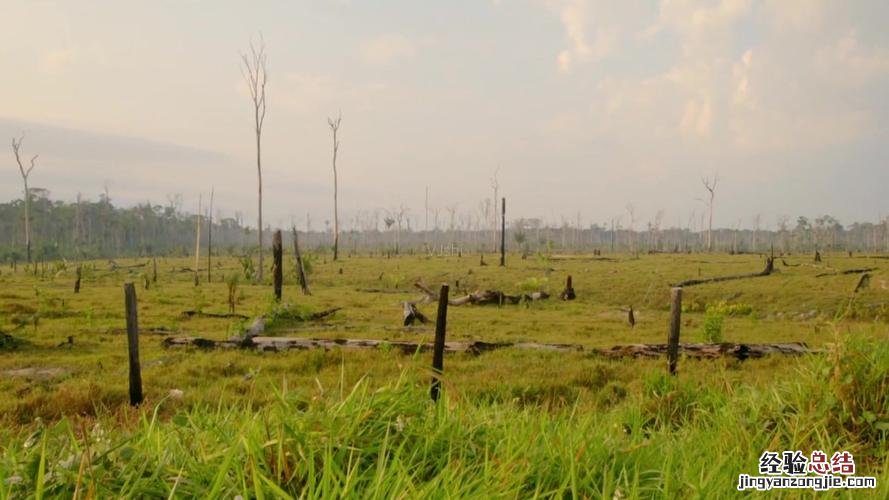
[441, 323]
[129, 291]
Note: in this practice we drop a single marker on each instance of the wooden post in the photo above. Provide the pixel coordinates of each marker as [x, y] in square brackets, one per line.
[154, 270]
[277, 270]
[301, 270]
[78, 273]
[441, 324]
[503, 233]
[675, 321]
[133, 344]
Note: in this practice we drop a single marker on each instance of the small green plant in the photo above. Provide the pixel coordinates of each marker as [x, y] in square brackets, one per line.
[712, 327]
[246, 262]
[532, 285]
[231, 282]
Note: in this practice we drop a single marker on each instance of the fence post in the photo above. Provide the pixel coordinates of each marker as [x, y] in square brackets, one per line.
[277, 271]
[78, 273]
[133, 344]
[675, 322]
[441, 323]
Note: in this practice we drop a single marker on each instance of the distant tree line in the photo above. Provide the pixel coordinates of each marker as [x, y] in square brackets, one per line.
[86, 229]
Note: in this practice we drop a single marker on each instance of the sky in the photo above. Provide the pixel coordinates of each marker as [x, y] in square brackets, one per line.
[579, 107]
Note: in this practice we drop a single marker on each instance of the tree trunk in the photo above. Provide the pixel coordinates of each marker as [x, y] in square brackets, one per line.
[259, 175]
[277, 268]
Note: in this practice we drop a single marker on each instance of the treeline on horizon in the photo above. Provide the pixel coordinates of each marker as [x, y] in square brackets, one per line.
[87, 229]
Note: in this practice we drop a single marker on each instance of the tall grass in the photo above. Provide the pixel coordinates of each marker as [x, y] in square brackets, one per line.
[675, 439]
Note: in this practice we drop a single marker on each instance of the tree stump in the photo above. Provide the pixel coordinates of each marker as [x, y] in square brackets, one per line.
[568, 293]
[411, 314]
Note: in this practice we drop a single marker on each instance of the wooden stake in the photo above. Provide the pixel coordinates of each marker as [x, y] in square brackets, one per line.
[78, 273]
[441, 324]
[133, 344]
[277, 270]
[675, 321]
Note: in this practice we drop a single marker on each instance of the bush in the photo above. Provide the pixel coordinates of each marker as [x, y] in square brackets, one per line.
[712, 327]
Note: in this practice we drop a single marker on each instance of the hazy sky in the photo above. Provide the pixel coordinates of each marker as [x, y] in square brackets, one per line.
[585, 106]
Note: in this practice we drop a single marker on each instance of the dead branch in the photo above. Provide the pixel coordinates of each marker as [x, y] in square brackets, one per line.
[770, 267]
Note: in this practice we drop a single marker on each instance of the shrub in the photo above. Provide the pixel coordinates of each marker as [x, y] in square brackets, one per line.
[712, 327]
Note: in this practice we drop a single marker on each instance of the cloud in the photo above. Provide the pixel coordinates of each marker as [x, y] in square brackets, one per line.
[847, 60]
[57, 59]
[574, 16]
[387, 49]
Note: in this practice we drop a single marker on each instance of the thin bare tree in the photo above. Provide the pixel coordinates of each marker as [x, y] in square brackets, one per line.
[495, 185]
[711, 188]
[26, 173]
[756, 222]
[255, 71]
[197, 241]
[631, 236]
[210, 237]
[334, 128]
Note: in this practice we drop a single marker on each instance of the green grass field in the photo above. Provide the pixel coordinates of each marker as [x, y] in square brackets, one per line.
[513, 423]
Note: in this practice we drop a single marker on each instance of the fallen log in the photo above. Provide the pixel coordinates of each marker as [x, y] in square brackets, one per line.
[151, 330]
[483, 297]
[847, 271]
[863, 282]
[381, 290]
[770, 267]
[201, 314]
[739, 351]
[113, 266]
[285, 343]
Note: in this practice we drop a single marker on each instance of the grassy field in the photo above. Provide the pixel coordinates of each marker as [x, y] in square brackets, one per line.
[513, 423]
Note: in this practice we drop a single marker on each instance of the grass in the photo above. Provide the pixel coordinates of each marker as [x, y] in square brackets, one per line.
[512, 424]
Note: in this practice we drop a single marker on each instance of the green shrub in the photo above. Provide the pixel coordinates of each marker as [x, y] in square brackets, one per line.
[712, 327]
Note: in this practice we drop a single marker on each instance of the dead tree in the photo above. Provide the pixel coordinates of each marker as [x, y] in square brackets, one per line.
[255, 72]
[495, 185]
[334, 128]
[277, 268]
[210, 237]
[197, 243]
[711, 189]
[300, 269]
[411, 314]
[26, 173]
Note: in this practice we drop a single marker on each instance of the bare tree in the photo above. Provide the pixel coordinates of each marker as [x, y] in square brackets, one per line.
[197, 241]
[210, 237]
[26, 172]
[255, 71]
[495, 185]
[631, 211]
[711, 188]
[334, 128]
[756, 222]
